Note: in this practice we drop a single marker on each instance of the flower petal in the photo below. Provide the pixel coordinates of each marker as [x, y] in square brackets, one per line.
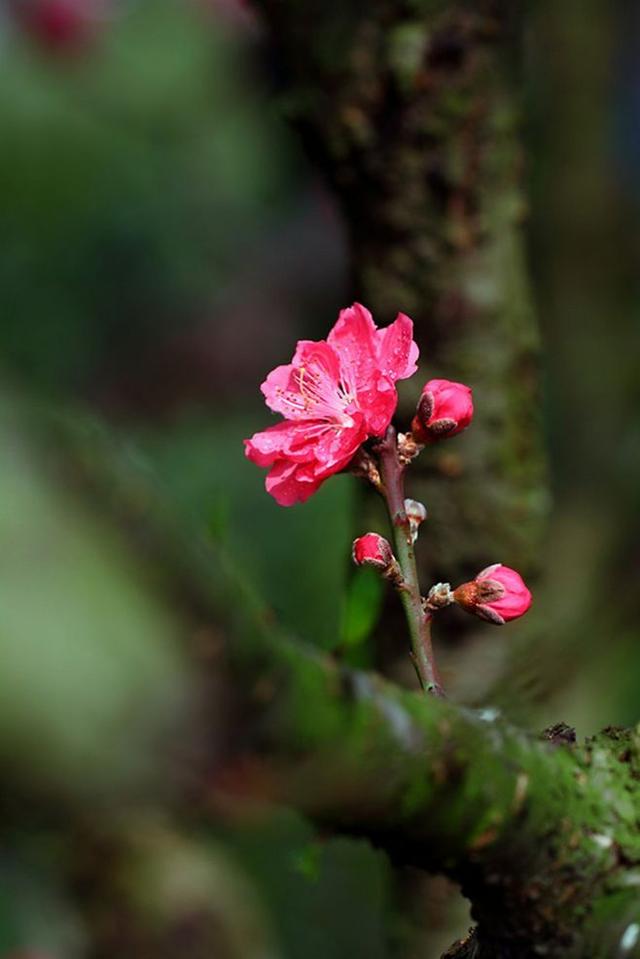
[302, 455]
[397, 352]
[353, 339]
[336, 447]
[378, 405]
[289, 484]
[291, 440]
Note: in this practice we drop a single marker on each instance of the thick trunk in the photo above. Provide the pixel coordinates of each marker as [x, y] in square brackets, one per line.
[410, 110]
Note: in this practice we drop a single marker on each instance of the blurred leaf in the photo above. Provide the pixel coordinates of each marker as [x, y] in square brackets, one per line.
[308, 861]
[9, 935]
[35, 913]
[362, 606]
[92, 678]
[339, 904]
[297, 558]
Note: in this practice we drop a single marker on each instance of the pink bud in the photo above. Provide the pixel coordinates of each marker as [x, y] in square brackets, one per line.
[63, 26]
[497, 594]
[444, 409]
[372, 550]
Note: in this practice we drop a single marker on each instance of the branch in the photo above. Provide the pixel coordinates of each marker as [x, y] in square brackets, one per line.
[542, 835]
[543, 838]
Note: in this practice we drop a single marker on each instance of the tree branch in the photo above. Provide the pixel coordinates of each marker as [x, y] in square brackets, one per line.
[542, 834]
[543, 838]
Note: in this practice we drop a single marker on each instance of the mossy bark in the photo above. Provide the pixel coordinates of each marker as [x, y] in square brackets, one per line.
[411, 110]
[541, 832]
[542, 837]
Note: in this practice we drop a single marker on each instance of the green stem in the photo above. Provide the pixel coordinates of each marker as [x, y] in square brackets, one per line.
[392, 472]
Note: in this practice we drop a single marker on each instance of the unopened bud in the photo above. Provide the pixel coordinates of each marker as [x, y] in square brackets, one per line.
[497, 594]
[374, 550]
[416, 514]
[444, 409]
[438, 597]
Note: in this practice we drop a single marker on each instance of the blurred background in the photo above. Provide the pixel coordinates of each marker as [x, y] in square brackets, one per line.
[164, 240]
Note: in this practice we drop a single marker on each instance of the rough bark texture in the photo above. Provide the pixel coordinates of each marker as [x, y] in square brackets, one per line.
[410, 110]
[542, 838]
[540, 831]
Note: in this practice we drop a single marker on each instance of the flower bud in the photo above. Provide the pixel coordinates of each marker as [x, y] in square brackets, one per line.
[416, 514]
[444, 409]
[372, 550]
[497, 594]
[438, 597]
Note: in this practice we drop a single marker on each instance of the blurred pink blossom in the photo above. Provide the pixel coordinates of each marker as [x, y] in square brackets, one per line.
[63, 26]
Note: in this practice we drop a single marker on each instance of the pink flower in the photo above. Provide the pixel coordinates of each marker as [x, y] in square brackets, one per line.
[444, 409]
[497, 594]
[372, 550]
[334, 395]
